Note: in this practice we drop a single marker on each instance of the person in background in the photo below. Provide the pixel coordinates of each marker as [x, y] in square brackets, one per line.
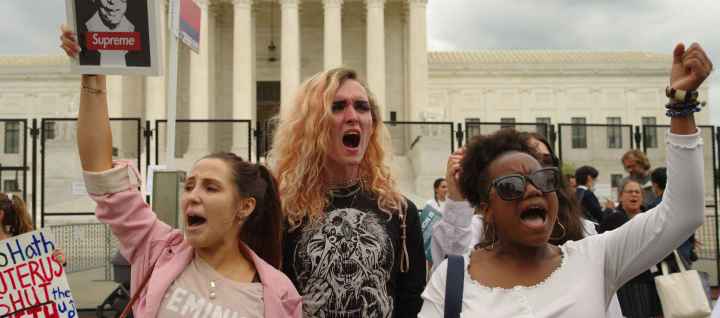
[571, 181]
[589, 203]
[638, 167]
[430, 214]
[638, 297]
[686, 250]
[439, 194]
[16, 220]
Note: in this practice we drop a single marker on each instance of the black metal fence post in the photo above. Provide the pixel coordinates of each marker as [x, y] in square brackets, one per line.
[147, 133]
[42, 172]
[258, 137]
[716, 141]
[459, 135]
[35, 133]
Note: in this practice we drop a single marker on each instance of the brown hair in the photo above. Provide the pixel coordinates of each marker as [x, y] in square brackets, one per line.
[262, 230]
[16, 219]
[637, 156]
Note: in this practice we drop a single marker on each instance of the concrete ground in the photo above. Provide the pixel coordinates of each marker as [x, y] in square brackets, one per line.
[89, 288]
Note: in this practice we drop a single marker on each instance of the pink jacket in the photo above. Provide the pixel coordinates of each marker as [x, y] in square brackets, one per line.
[145, 239]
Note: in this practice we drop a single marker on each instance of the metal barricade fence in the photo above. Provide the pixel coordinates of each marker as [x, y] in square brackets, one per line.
[707, 236]
[474, 128]
[63, 191]
[13, 157]
[600, 146]
[86, 246]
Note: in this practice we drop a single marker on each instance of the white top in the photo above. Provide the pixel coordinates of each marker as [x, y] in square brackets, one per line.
[457, 232]
[435, 205]
[592, 269]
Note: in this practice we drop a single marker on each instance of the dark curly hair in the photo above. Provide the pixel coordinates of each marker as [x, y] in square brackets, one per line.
[475, 181]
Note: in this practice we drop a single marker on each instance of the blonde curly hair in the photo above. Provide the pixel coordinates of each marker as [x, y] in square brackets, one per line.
[302, 141]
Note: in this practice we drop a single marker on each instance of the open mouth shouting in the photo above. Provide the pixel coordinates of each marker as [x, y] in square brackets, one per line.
[351, 139]
[534, 216]
[194, 221]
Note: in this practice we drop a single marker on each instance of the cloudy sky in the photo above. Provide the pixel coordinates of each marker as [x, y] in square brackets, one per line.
[30, 27]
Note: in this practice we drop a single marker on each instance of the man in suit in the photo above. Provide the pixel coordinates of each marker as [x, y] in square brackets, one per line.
[585, 177]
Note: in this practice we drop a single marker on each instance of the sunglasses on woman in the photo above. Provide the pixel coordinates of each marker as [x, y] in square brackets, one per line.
[512, 187]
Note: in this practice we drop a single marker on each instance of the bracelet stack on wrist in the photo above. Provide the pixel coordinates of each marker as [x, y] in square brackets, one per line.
[91, 90]
[682, 103]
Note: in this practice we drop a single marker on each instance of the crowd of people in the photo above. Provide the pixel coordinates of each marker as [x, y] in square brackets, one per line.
[324, 231]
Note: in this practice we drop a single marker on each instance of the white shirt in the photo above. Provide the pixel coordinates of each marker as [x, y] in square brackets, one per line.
[457, 232]
[95, 24]
[435, 205]
[592, 269]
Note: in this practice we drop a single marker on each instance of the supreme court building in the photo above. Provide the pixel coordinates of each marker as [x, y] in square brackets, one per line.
[255, 53]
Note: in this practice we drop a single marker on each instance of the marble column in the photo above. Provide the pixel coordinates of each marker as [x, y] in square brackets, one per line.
[332, 33]
[290, 57]
[244, 85]
[417, 59]
[376, 52]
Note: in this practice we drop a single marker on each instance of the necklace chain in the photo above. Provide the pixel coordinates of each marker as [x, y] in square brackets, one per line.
[337, 194]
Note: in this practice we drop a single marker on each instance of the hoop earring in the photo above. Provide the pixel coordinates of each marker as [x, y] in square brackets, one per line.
[492, 244]
[564, 232]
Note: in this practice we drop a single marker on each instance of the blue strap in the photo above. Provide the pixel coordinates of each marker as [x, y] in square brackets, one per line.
[454, 286]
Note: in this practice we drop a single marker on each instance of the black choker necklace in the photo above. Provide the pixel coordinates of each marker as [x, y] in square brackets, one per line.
[345, 184]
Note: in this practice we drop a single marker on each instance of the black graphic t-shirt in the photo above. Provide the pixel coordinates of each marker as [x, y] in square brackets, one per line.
[348, 264]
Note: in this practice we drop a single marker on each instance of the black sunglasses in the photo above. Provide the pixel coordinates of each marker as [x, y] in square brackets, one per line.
[512, 187]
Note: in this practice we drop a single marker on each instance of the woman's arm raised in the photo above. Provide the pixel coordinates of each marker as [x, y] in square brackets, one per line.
[94, 137]
[689, 69]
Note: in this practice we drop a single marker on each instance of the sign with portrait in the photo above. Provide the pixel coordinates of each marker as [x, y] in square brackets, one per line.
[32, 282]
[116, 36]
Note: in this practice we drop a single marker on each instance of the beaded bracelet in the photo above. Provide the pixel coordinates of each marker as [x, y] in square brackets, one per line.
[681, 95]
[682, 105]
[682, 113]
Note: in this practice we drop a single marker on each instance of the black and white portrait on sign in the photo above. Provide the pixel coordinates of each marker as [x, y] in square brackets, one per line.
[346, 261]
[116, 36]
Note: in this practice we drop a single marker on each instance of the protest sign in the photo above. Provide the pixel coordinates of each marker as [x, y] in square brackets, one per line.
[32, 282]
[428, 217]
[116, 37]
[190, 16]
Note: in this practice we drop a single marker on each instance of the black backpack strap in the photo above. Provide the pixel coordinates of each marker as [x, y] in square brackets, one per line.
[454, 286]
